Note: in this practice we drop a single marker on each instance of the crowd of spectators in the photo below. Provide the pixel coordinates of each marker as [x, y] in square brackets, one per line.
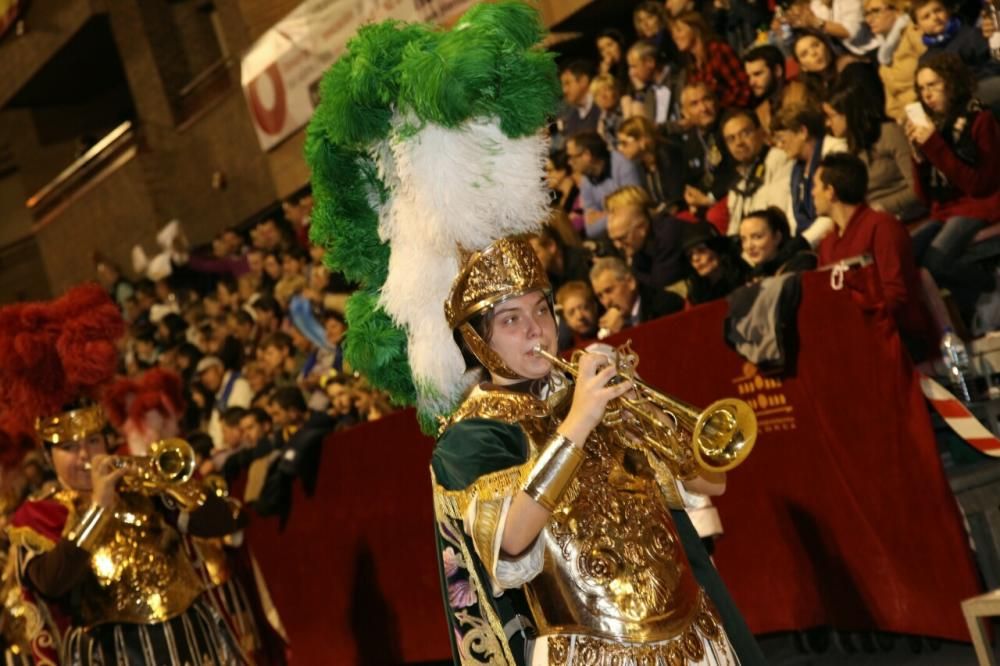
[727, 143]
[722, 144]
[253, 324]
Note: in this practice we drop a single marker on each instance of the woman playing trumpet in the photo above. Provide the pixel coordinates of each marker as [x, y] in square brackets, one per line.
[103, 576]
[552, 527]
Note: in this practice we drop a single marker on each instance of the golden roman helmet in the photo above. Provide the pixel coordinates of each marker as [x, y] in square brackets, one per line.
[507, 268]
[71, 426]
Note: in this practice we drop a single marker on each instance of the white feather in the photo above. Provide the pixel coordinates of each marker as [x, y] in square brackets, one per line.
[451, 189]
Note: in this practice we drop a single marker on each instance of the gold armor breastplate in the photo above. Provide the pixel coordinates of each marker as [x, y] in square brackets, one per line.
[614, 564]
[141, 573]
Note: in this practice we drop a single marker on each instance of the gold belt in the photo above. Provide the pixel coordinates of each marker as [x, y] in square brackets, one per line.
[685, 648]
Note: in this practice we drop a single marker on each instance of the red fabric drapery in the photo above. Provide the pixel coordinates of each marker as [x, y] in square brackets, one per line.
[842, 515]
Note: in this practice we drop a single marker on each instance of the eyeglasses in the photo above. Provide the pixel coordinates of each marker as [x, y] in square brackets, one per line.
[744, 133]
[875, 11]
[936, 86]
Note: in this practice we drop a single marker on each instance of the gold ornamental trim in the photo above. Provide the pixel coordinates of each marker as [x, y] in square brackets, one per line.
[507, 268]
[71, 426]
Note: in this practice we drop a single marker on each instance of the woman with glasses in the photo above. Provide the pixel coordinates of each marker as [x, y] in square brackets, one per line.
[957, 155]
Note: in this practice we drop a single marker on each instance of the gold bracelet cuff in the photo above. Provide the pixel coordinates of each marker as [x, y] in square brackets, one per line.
[552, 474]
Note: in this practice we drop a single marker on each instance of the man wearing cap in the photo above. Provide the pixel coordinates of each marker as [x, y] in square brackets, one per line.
[230, 389]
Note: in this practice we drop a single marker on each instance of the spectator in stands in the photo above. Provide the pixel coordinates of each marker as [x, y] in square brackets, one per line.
[840, 20]
[770, 248]
[799, 130]
[765, 69]
[579, 114]
[277, 354]
[268, 236]
[649, 244]
[232, 431]
[900, 45]
[562, 262]
[611, 46]
[944, 32]
[259, 379]
[817, 63]
[110, 277]
[229, 388]
[639, 141]
[578, 307]
[650, 92]
[716, 267]
[710, 60]
[269, 315]
[339, 391]
[764, 174]
[625, 302]
[602, 172]
[839, 191]
[254, 426]
[706, 167]
[958, 162]
[855, 112]
[606, 92]
[562, 183]
[651, 25]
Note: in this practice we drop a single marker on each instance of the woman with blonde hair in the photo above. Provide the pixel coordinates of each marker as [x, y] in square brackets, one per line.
[639, 140]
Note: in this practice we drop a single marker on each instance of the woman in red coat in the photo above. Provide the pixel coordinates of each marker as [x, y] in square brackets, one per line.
[957, 159]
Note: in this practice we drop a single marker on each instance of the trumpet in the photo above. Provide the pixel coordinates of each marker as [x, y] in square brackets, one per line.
[720, 437]
[166, 470]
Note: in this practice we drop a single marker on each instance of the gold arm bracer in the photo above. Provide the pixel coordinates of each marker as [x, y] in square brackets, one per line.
[85, 534]
[555, 469]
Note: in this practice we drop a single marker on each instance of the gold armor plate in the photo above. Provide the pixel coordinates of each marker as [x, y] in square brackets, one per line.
[141, 574]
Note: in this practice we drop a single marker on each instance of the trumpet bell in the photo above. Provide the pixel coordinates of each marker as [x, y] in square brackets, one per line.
[174, 459]
[724, 434]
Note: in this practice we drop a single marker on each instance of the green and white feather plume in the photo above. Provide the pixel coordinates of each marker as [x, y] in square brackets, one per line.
[426, 143]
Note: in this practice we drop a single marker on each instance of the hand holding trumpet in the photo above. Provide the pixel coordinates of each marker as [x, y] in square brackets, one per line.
[104, 478]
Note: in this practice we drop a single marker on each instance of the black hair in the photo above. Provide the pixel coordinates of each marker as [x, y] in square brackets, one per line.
[289, 397]
[579, 68]
[232, 415]
[776, 221]
[737, 112]
[259, 415]
[847, 175]
[201, 443]
[859, 96]
[769, 53]
[593, 143]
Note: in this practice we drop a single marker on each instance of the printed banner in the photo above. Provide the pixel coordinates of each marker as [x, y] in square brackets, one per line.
[280, 74]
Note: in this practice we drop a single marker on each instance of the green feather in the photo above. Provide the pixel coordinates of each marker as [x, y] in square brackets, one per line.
[485, 67]
[376, 348]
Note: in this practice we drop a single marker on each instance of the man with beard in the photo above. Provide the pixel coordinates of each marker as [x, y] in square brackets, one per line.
[765, 68]
[763, 173]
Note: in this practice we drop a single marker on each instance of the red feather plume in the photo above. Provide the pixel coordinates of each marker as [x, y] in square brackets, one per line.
[52, 353]
[158, 389]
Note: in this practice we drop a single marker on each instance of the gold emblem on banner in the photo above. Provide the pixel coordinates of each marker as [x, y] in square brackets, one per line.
[767, 398]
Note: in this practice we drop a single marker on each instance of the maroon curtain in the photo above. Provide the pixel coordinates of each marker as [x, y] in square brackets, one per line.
[842, 514]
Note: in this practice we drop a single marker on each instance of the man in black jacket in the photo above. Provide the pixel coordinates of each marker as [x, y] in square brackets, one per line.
[626, 303]
[649, 244]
